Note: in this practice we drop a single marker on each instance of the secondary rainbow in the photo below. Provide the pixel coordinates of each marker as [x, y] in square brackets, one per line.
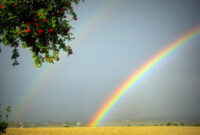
[138, 74]
[80, 32]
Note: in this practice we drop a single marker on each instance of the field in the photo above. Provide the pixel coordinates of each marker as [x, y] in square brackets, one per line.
[137, 130]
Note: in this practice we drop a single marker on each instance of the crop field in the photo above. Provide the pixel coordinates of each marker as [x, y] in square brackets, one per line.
[137, 130]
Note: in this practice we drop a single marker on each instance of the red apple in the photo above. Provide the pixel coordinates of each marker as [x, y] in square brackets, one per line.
[62, 9]
[51, 30]
[40, 31]
[67, 29]
[28, 30]
[1, 6]
[28, 23]
[44, 20]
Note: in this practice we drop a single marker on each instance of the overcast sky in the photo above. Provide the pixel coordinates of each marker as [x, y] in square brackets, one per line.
[112, 39]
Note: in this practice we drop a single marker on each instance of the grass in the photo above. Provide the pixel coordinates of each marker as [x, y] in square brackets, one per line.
[139, 130]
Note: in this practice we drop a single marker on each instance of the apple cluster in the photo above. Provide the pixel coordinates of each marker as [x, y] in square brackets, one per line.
[42, 26]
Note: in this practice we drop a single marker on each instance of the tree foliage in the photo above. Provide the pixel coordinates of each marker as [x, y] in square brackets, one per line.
[4, 119]
[42, 26]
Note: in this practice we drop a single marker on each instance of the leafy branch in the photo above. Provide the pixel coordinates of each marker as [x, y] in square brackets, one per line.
[42, 26]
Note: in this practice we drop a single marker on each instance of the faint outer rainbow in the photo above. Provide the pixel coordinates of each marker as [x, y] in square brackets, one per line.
[29, 94]
[80, 32]
[139, 73]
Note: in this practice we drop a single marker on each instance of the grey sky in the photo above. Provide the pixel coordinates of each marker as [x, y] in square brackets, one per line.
[106, 53]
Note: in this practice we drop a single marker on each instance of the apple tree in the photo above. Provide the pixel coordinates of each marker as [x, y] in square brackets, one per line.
[41, 26]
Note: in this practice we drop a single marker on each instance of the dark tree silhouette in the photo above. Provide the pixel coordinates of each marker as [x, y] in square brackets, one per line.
[4, 119]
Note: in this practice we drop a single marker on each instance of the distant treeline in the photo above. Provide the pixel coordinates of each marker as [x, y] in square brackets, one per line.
[44, 124]
[113, 123]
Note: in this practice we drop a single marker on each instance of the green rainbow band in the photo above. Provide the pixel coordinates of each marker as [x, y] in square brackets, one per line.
[136, 76]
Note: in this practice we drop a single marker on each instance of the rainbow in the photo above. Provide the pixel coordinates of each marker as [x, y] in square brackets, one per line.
[80, 32]
[139, 73]
[31, 91]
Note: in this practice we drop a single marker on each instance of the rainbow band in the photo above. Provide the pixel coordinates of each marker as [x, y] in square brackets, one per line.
[136, 76]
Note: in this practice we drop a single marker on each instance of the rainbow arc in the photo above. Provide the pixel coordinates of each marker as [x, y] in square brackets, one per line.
[139, 73]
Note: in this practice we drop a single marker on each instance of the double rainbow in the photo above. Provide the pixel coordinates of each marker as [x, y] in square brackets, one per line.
[137, 75]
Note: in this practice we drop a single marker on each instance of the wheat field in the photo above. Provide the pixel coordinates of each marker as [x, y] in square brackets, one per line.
[137, 130]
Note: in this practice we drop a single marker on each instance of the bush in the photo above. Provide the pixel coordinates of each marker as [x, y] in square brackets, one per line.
[196, 124]
[4, 119]
[168, 124]
[3, 126]
[42, 26]
[182, 124]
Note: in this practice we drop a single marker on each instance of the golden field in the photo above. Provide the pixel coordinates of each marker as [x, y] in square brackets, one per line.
[137, 130]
